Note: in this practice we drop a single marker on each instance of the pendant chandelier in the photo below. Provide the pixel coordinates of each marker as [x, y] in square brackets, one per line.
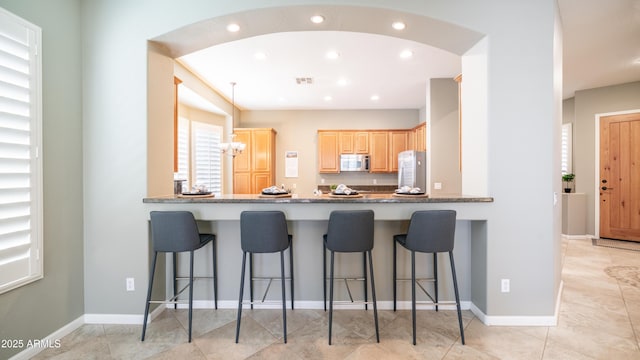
[232, 148]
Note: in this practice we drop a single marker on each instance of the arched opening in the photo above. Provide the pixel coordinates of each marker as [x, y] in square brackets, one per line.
[164, 49]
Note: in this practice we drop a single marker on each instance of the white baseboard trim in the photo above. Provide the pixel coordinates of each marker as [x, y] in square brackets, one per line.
[314, 305]
[492, 320]
[577, 237]
[53, 340]
[121, 319]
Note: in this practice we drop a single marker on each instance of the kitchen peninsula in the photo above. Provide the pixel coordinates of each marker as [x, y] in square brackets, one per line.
[307, 216]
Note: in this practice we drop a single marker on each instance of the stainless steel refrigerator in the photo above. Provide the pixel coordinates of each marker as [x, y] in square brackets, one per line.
[412, 169]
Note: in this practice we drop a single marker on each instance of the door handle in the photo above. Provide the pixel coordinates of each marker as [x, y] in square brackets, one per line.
[606, 188]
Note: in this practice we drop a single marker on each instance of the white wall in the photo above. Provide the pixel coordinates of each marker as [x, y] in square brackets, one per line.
[519, 144]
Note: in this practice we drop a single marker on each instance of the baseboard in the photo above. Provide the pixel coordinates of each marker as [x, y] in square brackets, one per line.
[314, 305]
[53, 340]
[577, 237]
[492, 320]
[121, 319]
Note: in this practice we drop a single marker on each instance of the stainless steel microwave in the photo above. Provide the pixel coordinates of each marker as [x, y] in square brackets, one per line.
[354, 162]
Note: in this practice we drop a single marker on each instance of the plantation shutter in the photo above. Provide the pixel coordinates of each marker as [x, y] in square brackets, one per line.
[207, 157]
[20, 163]
[183, 152]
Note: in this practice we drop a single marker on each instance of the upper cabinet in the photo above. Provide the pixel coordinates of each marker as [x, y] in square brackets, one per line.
[379, 145]
[382, 145]
[328, 151]
[398, 142]
[255, 168]
[354, 142]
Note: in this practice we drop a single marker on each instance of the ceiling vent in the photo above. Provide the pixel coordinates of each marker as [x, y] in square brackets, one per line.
[304, 80]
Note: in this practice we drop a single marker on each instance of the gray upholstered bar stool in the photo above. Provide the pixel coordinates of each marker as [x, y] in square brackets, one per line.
[174, 232]
[265, 232]
[430, 231]
[349, 232]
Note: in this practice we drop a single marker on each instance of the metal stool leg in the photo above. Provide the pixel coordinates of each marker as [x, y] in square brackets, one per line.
[251, 279]
[364, 271]
[435, 277]
[291, 271]
[413, 294]
[455, 288]
[215, 275]
[146, 307]
[190, 293]
[284, 298]
[244, 260]
[395, 285]
[324, 275]
[174, 272]
[331, 298]
[373, 295]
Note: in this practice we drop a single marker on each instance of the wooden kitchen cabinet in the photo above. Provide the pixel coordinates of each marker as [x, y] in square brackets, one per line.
[353, 142]
[328, 151]
[398, 142]
[421, 137]
[255, 168]
[379, 151]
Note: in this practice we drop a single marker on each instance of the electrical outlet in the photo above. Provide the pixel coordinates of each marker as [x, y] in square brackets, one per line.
[505, 285]
[437, 186]
[375, 181]
[131, 285]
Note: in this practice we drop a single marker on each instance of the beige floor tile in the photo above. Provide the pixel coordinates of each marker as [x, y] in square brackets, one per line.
[599, 318]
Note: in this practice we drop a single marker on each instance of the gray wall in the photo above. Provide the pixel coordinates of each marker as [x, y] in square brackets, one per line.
[444, 137]
[588, 103]
[40, 308]
[519, 238]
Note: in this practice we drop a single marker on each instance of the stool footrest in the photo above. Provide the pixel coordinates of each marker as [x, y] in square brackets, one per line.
[194, 278]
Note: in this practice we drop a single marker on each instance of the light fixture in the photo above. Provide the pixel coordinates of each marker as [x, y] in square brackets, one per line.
[405, 54]
[375, 97]
[332, 55]
[233, 27]
[398, 25]
[260, 56]
[328, 98]
[343, 82]
[317, 19]
[232, 148]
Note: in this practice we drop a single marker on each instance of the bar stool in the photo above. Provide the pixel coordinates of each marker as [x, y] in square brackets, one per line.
[264, 232]
[174, 232]
[430, 231]
[348, 232]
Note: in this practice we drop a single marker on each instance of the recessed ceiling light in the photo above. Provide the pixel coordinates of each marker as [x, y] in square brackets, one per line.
[333, 55]
[405, 54]
[398, 25]
[260, 56]
[328, 98]
[375, 97]
[317, 19]
[233, 27]
[343, 82]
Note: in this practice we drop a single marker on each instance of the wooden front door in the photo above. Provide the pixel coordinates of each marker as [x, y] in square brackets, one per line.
[620, 177]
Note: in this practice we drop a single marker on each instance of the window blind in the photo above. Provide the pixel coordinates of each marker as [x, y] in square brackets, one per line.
[207, 164]
[183, 153]
[20, 164]
[566, 149]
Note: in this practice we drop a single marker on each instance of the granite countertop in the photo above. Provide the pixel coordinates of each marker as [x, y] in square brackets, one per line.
[325, 198]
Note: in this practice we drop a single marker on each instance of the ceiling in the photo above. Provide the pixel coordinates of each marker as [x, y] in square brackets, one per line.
[601, 47]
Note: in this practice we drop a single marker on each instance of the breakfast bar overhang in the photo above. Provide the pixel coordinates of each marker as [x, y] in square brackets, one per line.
[307, 218]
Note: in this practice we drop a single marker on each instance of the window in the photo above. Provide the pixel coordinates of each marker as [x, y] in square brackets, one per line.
[20, 161]
[200, 143]
[567, 149]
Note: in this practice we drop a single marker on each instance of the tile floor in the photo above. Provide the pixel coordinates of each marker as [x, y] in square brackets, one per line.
[599, 319]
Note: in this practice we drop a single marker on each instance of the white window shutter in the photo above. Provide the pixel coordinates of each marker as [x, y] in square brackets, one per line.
[207, 162]
[20, 161]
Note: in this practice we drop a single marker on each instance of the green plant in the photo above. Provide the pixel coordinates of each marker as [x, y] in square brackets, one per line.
[333, 187]
[568, 177]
